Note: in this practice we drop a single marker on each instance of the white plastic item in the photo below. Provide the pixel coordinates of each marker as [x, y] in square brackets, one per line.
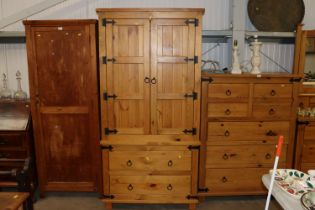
[236, 68]
[256, 59]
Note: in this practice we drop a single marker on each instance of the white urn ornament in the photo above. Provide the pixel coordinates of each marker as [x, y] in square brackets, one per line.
[236, 68]
[256, 60]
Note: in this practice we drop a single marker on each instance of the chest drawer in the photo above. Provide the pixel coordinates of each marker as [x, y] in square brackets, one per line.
[150, 185]
[272, 111]
[150, 160]
[11, 140]
[228, 91]
[13, 154]
[228, 132]
[242, 156]
[225, 181]
[269, 91]
[227, 109]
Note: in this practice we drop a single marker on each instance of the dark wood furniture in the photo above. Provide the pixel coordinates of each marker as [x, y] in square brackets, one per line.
[303, 65]
[150, 102]
[64, 103]
[241, 118]
[13, 200]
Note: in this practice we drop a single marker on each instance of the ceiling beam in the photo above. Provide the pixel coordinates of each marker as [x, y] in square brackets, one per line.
[20, 15]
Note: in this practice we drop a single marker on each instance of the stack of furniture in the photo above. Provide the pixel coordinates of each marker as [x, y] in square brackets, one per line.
[64, 103]
[150, 102]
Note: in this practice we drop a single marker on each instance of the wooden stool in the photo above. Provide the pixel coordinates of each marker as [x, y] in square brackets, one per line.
[14, 200]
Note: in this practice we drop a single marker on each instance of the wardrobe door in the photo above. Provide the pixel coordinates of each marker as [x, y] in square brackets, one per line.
[127, 88]
[172, 73]
[64, 106]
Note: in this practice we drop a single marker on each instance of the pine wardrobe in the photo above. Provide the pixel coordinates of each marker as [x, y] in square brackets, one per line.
[150, 104]
[64, 103]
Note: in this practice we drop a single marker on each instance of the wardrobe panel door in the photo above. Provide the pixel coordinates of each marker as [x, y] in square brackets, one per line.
[128, 76]
[172, 70]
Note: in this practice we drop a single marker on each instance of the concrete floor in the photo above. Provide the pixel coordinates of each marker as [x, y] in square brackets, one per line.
[90, 201]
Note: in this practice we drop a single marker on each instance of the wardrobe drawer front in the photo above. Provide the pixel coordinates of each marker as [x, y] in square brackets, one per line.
[276, 91]
[235, 181]
[11, 140]
[228, 91]
[227, 132]
[227, 109]
[272, 111]
[12, 154]
[150, 160]
[242, 156]
[150, 185]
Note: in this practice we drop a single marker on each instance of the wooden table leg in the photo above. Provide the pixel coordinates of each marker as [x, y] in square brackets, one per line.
[108, 206]
[192, 206]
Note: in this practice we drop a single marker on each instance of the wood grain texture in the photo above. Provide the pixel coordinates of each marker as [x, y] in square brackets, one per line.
[12, 200]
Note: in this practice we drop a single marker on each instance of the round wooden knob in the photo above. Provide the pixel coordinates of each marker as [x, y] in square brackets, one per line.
[226, 133]
[228, 92]
[129, 163]
[268, 156]
[227, 112]
[225, 156]
[273, 93]
[130, 187]
[169, 187]
[224, 179]
[170, 163]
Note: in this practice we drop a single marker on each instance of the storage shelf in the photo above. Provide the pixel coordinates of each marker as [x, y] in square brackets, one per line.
[12, 37]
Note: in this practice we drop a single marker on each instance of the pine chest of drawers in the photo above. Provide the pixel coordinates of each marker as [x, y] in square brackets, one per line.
[242, 115]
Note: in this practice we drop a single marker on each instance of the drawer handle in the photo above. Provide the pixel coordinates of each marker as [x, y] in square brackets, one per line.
[130, 187]
[169, 187]
[147, 80]
[4, 155]
[224, 179]
[227, 112]
[268, 156]
[170, 163]
[227, 133]
[228, 93]
[273, 93]
[153, 80]
[129, 163]
[3, 142]
[225, 156]
[272, 111]
[271, 133]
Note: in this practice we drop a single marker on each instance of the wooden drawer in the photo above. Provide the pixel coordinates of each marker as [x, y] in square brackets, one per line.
[235, 181]
[272, 111]
[228, 91]
[227, 110]
[150, 160]
[308, 153]
[276, 91]
[13, 154]
[11, 140]
[150, 185]
[242, 156]
[228, 132]
[309, 133]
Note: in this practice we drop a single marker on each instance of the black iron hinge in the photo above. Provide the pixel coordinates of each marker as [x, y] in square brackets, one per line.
[195, 59]
[105, 60]
[106, 21]
[190, 197]
[209, 79]
[203, 189]
[106, 96]
[193, 131]
[296, 79]
[192, 21]
[191, 147]
[107, 147]
[109, 196]
[303, 122]
[193, 95]
[108, 131]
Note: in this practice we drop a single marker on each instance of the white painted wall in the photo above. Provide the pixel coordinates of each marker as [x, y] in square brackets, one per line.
[217, 17]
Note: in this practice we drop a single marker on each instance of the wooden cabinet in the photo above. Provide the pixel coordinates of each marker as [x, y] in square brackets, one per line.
[241, 118]
[64, 103]
[150, 104]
